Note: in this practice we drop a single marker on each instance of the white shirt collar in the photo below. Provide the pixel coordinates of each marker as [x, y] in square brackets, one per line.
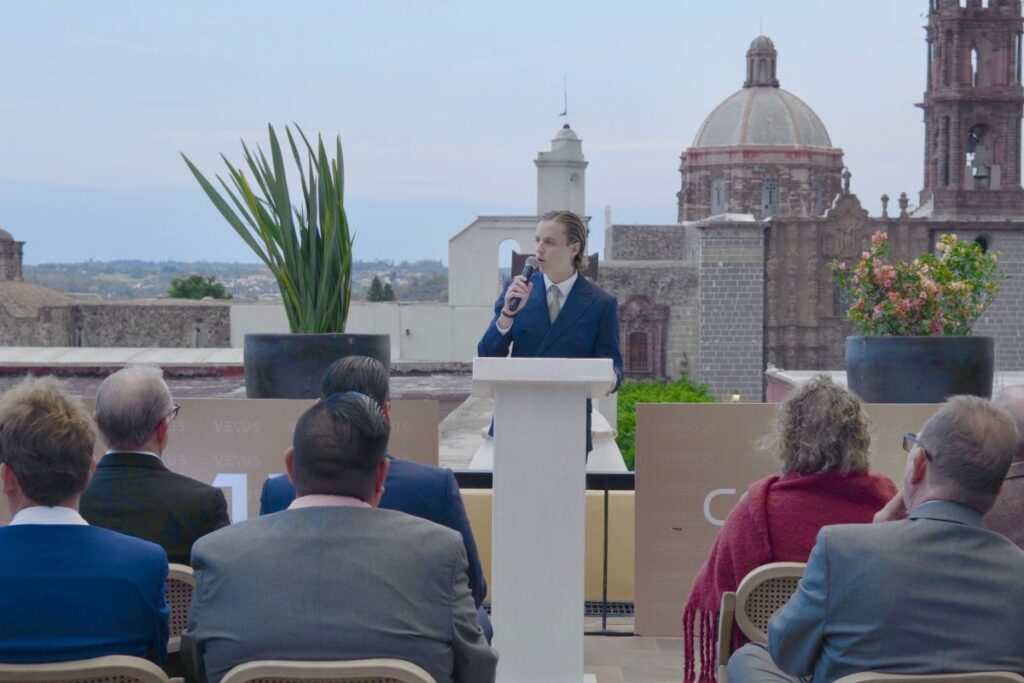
[110, 450]
[40, 514]
[314, 500]
[564, 287]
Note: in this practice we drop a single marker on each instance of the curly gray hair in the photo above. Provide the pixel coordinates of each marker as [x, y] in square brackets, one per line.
[820, 427]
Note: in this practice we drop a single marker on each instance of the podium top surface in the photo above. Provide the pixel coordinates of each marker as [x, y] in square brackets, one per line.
[595, 374]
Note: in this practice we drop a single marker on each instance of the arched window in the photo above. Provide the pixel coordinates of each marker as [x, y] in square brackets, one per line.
[639, 360]
[974, 67]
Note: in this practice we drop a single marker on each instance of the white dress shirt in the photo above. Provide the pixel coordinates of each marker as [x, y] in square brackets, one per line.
[314, 500]
[41, 514]
[564, 287]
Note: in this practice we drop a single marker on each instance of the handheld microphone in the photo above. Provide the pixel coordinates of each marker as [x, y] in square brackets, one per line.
[528, 270]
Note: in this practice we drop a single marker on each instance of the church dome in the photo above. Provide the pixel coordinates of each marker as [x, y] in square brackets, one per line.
[5, 236]
[762, 115]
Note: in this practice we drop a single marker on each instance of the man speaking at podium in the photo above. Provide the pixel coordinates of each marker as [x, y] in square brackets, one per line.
[556, 313]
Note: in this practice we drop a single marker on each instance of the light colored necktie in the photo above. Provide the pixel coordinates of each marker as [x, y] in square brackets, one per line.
[554, 302]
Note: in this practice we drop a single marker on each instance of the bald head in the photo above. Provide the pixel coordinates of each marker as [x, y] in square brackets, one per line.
[130, 405]
[1011, 399]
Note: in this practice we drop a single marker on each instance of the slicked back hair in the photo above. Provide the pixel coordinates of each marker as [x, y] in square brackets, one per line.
[971, 443]
[357, 373]
[46, 438]
[130, 405]
[575, 232]
[339, 442]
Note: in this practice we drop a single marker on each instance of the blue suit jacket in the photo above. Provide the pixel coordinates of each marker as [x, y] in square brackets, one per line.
[74, 592]
[423, 491]
[934, 593]
[586, 327]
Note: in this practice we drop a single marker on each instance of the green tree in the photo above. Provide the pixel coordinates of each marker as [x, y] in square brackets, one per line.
[682, 390]
[197, 287]
[388, 294]
[376, 291]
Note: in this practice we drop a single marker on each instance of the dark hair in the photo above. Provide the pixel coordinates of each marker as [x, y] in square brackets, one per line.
[46, 438]
[575, 231]
[338, 444]
[356, 373]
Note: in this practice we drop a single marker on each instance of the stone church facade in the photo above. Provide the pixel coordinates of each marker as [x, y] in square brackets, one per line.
[742, 281]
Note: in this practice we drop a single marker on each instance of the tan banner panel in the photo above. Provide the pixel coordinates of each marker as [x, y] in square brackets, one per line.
[693, 463]
[236, 444]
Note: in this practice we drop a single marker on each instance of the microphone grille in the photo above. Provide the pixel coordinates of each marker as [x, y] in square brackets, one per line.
[532, 262]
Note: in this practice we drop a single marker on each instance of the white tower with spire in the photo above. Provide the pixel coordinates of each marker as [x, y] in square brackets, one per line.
[561, 175]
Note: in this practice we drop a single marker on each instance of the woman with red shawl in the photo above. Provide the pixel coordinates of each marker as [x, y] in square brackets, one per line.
[821, 437]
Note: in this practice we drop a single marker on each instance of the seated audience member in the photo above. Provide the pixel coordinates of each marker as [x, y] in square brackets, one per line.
[67, 590]
[821, 437]
[332, 577]
[928, 592]
[133, 491]
[1007, 515]
[411, 487]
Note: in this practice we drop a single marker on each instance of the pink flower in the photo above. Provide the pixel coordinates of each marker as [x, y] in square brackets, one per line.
[842, 266]
[936, 327]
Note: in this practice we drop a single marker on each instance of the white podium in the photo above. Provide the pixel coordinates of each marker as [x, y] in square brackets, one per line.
[537, 528]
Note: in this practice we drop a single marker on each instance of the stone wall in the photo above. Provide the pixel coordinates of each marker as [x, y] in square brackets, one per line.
[649, 243]
[731, 356]
[146, 323]
[671, 285]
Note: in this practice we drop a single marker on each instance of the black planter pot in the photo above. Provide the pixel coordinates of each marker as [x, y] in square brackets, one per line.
[919, 369]
[293, 365]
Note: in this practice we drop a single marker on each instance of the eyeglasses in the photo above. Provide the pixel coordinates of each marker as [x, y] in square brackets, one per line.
[910, 440]
[173, 415]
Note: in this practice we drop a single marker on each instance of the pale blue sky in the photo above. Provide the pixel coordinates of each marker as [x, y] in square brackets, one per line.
[442, 107]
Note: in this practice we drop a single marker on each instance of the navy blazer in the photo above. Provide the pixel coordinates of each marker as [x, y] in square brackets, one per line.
[586, 327]
[416, 489]
[136, 494]
[75, 592]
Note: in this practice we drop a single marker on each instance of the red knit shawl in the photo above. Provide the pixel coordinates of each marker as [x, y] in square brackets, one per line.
[776, 521]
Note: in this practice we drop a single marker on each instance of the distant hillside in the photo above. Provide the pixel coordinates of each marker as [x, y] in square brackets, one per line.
[424, 280]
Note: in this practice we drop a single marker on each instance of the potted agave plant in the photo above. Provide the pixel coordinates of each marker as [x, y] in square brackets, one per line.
[308, 249]
[916, 318]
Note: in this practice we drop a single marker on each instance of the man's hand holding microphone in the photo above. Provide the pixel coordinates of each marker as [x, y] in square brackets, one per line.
[517, 294]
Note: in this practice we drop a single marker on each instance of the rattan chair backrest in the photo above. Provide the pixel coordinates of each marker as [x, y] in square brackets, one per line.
[761, 593]
[354, 671]
[109, 669]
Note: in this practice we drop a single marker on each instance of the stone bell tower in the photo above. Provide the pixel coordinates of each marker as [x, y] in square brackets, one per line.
[561, 175]
[972, 109]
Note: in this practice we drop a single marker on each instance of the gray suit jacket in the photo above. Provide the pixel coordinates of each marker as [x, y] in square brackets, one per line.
[935, 593]
[335, 583]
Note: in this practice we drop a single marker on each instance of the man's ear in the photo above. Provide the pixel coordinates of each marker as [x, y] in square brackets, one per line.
[289, 464]
[161, 429]
[919, 467]
[385, 408]
[378, 484]
[8, 481]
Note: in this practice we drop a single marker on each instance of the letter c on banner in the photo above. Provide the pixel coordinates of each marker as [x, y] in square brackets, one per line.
[707, 505]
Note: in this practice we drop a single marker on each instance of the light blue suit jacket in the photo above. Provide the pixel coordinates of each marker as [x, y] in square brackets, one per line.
[586, 327]
[934, 593]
